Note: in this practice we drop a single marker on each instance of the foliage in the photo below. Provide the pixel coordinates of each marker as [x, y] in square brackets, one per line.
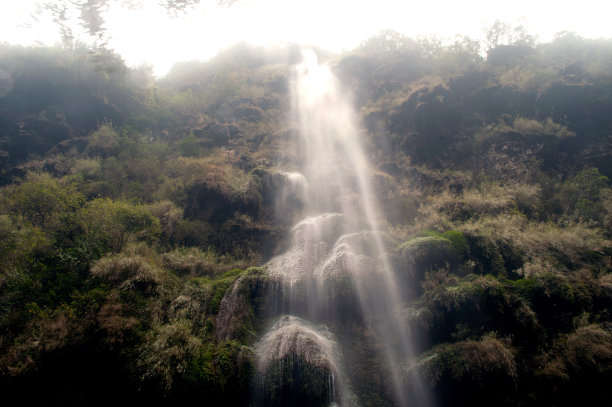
[132, 211]
[110, 225]
[473, 371]
[501, 33]
[103, 141]
[219, 373]
[167, 352]
[43, 201]
[431, 251]
[582, 196]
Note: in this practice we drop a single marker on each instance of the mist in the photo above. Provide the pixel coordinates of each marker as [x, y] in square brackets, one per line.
[201, 29]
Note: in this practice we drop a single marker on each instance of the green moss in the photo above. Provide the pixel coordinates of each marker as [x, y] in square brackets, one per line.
[468, 307]
[486, 256]
[525, 287]
[250, 309]
[459, 242]
[432, 250]
[231, 273]
[219, 288]
[200, 282]
[219, 285]
[256, 271]
[423, 244]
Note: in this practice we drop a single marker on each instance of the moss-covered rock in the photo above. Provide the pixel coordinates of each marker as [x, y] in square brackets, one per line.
[473, 372]
[485, 255]
[473, 305]
[299, 364]
[293, 381]
[429, 251]
[243, 306]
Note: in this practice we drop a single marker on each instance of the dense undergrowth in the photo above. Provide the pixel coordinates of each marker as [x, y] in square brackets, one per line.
[134, 213]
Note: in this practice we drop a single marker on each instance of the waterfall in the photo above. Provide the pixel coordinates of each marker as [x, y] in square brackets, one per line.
[336, 269]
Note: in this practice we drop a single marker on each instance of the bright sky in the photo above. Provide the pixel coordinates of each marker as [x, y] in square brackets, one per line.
[148, 35]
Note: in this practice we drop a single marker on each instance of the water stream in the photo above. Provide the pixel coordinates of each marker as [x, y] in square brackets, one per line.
[336, 270]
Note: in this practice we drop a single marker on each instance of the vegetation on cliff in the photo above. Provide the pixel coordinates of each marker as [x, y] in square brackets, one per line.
[136, 213]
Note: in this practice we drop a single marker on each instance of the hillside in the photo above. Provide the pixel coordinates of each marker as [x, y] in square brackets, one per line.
[137, 216]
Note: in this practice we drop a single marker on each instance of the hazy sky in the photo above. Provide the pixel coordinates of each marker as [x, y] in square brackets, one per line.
[149, 35]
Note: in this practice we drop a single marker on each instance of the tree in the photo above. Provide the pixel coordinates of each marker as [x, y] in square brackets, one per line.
[502, 33]
[91, 14]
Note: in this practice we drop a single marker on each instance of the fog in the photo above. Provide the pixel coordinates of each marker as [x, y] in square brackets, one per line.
[161, 33]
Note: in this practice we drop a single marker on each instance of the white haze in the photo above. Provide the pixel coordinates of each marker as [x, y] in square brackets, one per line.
[148, 35]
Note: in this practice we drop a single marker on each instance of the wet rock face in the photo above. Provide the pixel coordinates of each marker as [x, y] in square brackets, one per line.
[206, 204]
[298, 365]
[292, 381]
[286, 192]
[312, 239]
[268, 103]
[243, 303]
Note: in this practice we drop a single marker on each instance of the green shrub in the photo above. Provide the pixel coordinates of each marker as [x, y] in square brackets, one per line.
[193, 262]
[128, 274]
[109, 225]
[103, 141]
[166, 353]
[189, 146]
[44, 201]
[485, 255]
[581, 197]
[458, 241]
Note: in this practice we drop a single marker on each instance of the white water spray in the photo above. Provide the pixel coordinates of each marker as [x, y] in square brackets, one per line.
[338, 253]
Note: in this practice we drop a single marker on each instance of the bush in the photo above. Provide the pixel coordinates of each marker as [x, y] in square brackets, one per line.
[44, 201]
[189, 146]
[193, 262]
[103, 141]
[109, 225]
[129, 274]
[481, 372]
[581, 197]
[220, 374]
[577, 369]
[166, 354]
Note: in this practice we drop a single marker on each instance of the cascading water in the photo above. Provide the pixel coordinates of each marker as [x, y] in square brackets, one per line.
[336, 268]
